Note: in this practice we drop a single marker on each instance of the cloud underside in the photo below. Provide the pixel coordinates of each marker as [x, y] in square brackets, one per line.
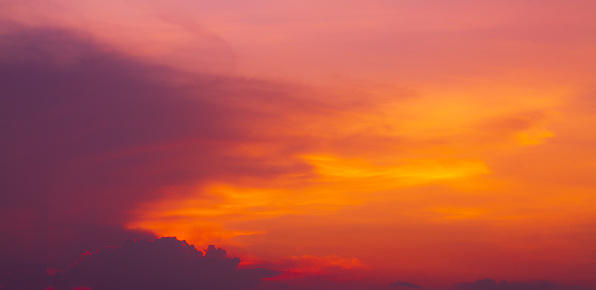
[489, 284]
[164, 263]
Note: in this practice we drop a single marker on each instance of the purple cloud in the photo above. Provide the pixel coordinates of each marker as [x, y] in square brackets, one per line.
[164, 263]
[404, 284]
[489, 284]
[89, 133]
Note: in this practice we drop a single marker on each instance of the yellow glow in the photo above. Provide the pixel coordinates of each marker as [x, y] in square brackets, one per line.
[460, 213]
[405, 172]
[534, 136]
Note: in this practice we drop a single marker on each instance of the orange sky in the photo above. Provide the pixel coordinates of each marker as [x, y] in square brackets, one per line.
[427, 141]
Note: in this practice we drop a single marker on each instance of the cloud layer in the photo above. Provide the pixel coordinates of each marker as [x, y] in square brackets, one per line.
[404, 284]
[164, 263]
[91, 133]
[489, 284]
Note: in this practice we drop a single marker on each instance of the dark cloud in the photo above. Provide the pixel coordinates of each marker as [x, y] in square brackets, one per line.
[61, 244]
[165, 263]
[403, 284]
[489, 284]
[88, 133]
[319, 283]
[26, 276]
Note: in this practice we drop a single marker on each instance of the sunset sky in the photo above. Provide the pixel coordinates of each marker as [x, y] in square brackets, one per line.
[346, 144]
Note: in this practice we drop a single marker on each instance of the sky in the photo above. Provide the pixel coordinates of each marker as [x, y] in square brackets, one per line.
[325, 144]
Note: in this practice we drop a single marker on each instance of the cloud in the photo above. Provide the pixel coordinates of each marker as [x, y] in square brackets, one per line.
[164, 263]
[93, 134]
[61, 244]
[89, 133]
[25, 276]
[316, 272]
[489, 284]
[403, 284]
